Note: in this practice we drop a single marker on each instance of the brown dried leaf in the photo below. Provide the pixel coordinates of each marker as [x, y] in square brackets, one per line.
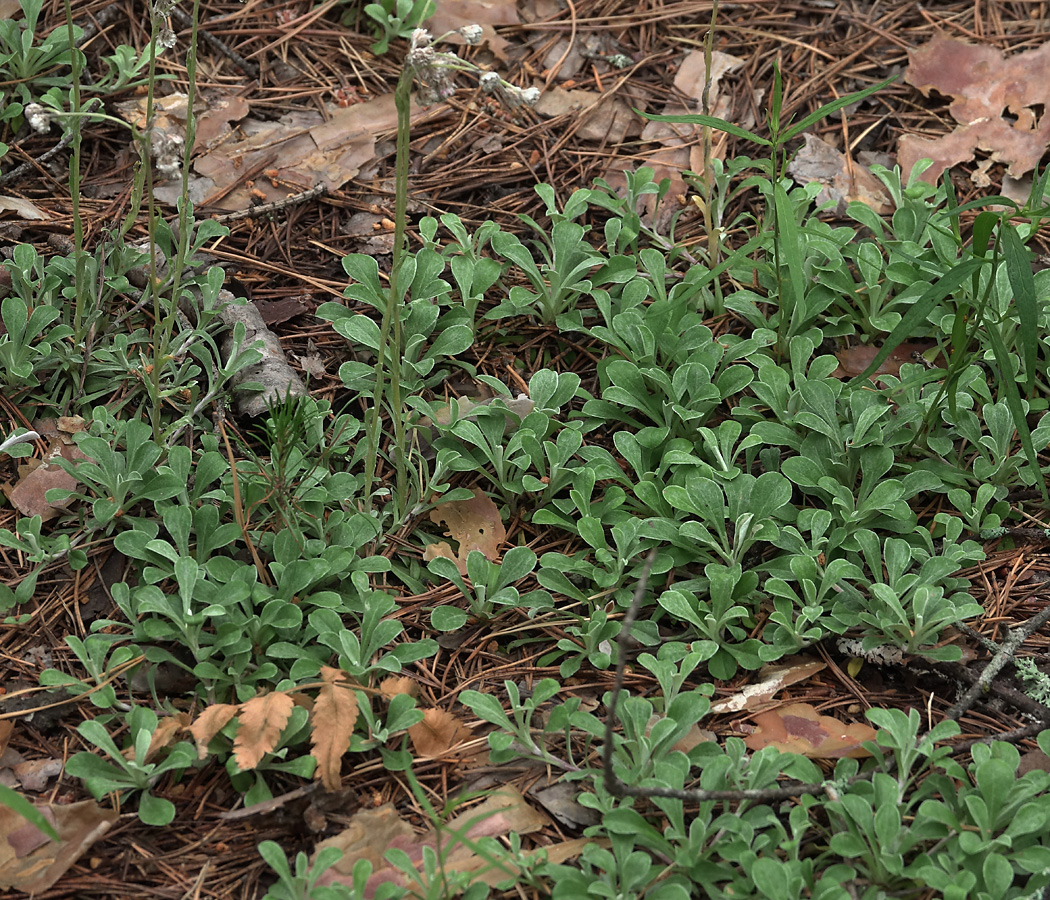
[372, 832]
[29, 495]
[843, 179]
[679, 141]
[300, 150]
[438, 732]
[262, 720]
[474, 523]
[390, 687]
[983, 84]
[214, 125]
[34, 774]
[334, 715]
[775, 678]
[22, 208]
[32, 863]
[209, 723]
[799, 728]
[168, 730]
[854, 360]
[332, 675]
[595, 117]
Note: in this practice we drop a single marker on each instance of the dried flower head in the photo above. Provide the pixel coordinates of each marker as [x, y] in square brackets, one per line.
[161, 9]
[166, 38]
[37, 117]
[167, 152]
[472, 34]
[433, 71]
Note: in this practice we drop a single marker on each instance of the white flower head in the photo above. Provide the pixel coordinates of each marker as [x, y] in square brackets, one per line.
[490, 82]
[161, 9]
[420, 38]
[38, 118]
[530, 96]
[167, 152]
[472, 34]
[166, 38]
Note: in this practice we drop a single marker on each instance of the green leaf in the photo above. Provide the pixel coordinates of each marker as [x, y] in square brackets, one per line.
[448, 618]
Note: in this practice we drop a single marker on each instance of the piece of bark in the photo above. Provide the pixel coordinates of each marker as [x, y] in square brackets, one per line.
[273, 372]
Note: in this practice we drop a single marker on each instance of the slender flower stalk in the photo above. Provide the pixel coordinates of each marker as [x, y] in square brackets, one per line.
[432, 72]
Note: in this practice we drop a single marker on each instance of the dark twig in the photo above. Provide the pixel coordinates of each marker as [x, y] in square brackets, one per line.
[249, 68]
[254, 212]
[30, 164]
[1014, 639]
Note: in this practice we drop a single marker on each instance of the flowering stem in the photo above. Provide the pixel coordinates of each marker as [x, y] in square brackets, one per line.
[390, 330]
[80, 277]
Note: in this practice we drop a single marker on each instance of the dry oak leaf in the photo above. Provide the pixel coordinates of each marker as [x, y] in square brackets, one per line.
[335, 713]
[474, 523]
[209, 723]
[799, 728]
[984, 86]
[390, 687]
[439, 731]
[168, 729]
[262, 720]
[32, 863]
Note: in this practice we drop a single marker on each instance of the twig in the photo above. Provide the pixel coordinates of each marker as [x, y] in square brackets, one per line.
[1014, 639]
[31, 164]
[249, 68]
[254, 212]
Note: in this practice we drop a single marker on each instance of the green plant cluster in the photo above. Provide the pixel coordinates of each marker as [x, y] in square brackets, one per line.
[781, 503]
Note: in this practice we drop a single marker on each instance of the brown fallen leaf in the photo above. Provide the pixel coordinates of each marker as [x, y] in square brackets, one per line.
[475, 524]
[29, 495]
[595, 117]
[451, 14]
[209, 723]
[333, 718]
[984, 85]
[799, 728]
[680, 142]
[371, 833]
[262, 719]
[438, 732]
[843, 179]
[393, 685]
[300, 150]
[854, 360]
[32, 863]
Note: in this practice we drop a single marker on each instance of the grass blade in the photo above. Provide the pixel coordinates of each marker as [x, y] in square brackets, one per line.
[1019, 273]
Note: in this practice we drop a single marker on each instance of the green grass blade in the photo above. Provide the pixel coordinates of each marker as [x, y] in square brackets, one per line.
[1013, 402]
[791, 255]
[829, 108]
[710, 121]
[1022, 281]
[16, 802]
[919, 310]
